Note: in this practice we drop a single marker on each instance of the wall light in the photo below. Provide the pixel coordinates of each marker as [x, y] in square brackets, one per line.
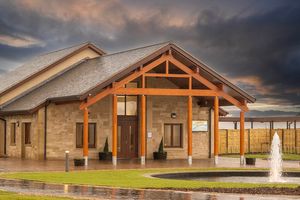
[173, 115]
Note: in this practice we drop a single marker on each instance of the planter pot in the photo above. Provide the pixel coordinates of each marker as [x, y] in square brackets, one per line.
[105, 155]
[250, 161]
[159, 155]
[79, 162]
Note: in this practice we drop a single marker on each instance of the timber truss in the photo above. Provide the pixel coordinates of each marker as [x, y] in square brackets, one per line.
[118, 88]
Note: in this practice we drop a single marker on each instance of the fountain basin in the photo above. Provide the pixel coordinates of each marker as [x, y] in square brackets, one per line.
[231, 176]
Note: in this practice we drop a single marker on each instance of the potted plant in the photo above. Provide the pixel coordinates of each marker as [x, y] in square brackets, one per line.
[250, 161]
[160, 154]
[78, 162]
[106, 154]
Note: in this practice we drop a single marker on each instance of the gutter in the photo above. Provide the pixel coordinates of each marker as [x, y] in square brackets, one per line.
[4, 135]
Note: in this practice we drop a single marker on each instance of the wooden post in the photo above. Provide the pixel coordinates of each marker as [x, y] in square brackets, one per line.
[114, 129]
[216, 128]
[296, 139]
[249, 138]
[189, 128]
[235, 125]
[85, 135]
[242, 137]
[143, 128]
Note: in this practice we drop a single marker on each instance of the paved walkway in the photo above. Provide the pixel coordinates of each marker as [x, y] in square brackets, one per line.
[10, 164]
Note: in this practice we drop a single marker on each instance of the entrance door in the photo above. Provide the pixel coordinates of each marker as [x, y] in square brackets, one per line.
[127, 137]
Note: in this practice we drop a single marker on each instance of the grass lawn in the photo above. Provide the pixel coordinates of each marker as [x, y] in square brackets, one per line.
[133, 179]
[266, 156]
[10, 195]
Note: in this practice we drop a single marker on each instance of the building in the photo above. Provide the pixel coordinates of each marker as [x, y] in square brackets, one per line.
[73, 99]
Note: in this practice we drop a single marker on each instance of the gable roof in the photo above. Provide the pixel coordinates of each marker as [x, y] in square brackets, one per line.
[92, 75]
[82, 78]
[39, 63]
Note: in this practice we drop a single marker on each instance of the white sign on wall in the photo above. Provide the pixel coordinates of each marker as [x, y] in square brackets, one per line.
[149, 134]
[198, 126]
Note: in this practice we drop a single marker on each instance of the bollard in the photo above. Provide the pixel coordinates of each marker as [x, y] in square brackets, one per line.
[67, 161]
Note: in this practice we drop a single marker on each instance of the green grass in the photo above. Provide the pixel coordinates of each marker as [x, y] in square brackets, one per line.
[295, 157]
[11, 195]
[133, 179]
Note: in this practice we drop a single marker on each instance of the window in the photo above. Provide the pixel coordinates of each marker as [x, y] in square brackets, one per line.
[13, 133]
[91, 137]
[127, 105]
[173, 135]
[27, 130]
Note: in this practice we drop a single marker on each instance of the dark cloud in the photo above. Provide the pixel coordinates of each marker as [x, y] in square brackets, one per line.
[256, 44]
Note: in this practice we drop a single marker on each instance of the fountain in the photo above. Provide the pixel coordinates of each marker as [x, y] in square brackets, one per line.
[273, 175]
[276, 160]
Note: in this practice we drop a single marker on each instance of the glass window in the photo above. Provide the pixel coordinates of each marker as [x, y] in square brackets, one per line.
[27, 130]
[13, 133]
[121, 105]
[79, 135]
[131, 105]
[91, 135]
[167, 137]
[173, 135]
[127, 105]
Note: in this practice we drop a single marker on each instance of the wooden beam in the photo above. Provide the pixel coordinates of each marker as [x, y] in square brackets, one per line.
[85, 134]
[167, 67]
[114, 129]
[143, 128]
[164, 92]
[189, 128]
[190, 83]
[167, 75]
[209, 84]
[126, 80]
[216, 128]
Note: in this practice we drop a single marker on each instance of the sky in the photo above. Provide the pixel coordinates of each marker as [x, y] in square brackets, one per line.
[254, 43]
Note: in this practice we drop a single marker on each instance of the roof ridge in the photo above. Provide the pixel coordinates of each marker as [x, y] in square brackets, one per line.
[137, 48]
[79, 44]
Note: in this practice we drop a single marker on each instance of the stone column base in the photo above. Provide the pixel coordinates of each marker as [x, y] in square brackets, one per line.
[216, 160]
[242, 160]
[143, 160]
[190, 160]
[114, 160]
[85, 160]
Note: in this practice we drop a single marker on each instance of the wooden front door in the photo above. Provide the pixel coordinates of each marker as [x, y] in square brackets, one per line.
[127, 137]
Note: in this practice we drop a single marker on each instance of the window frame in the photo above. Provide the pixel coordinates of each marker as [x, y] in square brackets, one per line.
[92, 146]
[13, 134]
[172, 135]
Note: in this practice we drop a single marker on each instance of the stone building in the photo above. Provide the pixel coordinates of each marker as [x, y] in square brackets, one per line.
[75, 98]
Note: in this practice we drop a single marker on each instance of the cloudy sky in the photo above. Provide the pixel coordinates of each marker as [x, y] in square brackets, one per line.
[254, 43]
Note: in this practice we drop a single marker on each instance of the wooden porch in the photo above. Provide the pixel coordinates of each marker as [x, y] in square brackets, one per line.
[165, 66]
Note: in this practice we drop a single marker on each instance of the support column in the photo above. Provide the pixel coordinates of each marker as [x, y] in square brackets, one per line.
[143, 129]
[85, 135]
[114, 130]
[242, 138]
[216, 129]
[189, 129]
